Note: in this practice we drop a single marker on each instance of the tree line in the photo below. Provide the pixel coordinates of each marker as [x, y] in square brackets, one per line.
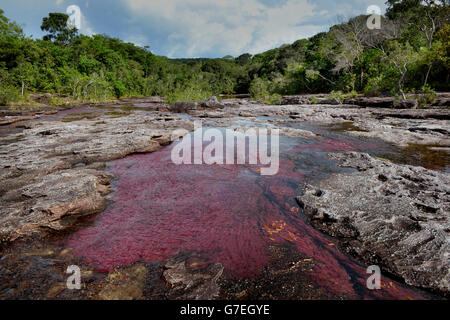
[409, 53]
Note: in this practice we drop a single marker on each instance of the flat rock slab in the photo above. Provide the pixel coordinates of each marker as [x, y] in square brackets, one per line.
[283, 131]
[52, 202]
[401, 127]
[11, 120]
[52, 172]
[390, 215]
[442, 99]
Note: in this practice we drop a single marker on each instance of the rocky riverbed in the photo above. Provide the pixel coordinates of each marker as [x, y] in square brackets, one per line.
[387, 214]
[63, 196]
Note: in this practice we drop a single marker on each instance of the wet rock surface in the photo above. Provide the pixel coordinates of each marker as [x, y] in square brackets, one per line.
[283, 131]
[441, 100]
[372, 118]
[385, 102]
[125, 284]
[402, 127]
[386, 214]
[193, 278]
[285, 277]
[53, 168]
[53, 172]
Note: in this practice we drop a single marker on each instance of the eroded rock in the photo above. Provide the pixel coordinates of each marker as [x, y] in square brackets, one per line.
[183, 107]
[283, 131]
[392, 215]
[51, 173]
[212, 103]
[125, 284]
[53, 202]
[193, 278]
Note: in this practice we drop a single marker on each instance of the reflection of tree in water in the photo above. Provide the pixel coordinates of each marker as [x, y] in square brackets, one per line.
[428, 157]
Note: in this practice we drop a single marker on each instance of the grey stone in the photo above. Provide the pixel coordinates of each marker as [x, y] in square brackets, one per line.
[183, 107]
[392, 215]
[44, 188]
[192, 279]
[212, 103]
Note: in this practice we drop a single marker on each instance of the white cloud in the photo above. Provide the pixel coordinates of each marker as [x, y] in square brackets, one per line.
[86, 26]
[198, 27]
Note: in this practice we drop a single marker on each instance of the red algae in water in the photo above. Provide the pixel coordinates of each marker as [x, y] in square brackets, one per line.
[161, 208]
[228, 213]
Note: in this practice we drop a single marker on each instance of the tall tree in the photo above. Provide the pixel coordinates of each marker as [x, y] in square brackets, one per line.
[402, 56]
[8, 28]
[58, 30]
[426, 16]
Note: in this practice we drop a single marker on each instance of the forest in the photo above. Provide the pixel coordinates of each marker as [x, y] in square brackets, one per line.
[408, 54]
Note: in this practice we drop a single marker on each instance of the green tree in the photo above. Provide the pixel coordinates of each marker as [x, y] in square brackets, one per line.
[25, 74]
[58, 30]
[244, 59]
[8, 28]
[402, 56]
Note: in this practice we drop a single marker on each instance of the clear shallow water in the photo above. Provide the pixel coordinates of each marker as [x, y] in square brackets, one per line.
[228, 214]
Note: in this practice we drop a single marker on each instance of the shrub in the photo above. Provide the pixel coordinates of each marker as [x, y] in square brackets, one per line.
[428, 96]
[9, 95]
[188, 95]
[273, 99]
[337, 96]
[373, 86]
[259, 89]
[351, 95]
[119, 89]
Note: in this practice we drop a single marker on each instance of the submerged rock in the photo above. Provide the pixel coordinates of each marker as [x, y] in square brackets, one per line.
[193, 278]
[391, 215]
[125, 284]
[50, 176]
[14, 119]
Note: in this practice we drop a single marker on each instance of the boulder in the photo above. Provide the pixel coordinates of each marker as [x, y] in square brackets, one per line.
[53, 203]
[212, 103]
[183, 107]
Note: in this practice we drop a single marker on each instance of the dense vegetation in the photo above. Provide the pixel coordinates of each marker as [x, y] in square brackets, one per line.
[409, 53]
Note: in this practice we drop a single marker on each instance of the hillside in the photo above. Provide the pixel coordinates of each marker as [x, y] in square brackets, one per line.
[410, 53]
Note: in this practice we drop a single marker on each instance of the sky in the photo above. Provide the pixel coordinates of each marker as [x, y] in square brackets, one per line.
[195, 28]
